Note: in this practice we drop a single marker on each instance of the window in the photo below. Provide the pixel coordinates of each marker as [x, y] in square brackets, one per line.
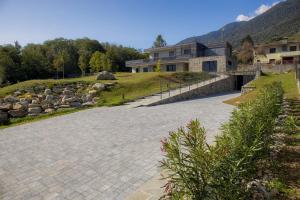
[171, 53]
[156, 55]
[229, 63]
[284, 48]
[272, 61]
[272, 50]
[209, 66]
[145, 69]
[187, 52]
[137, 70]
[171, 68]
[293, 48]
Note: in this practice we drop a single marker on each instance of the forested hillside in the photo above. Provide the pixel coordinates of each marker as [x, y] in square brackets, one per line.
[62, 57]
[280, 21]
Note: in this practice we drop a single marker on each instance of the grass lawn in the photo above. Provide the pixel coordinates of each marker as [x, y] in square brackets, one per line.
[288, 82]
[128, 88]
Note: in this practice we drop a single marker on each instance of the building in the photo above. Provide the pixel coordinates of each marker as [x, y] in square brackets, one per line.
[280, 52]
[187, 56]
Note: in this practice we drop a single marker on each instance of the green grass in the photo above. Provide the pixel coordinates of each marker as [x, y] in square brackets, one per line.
[128, 87]
[288, 82]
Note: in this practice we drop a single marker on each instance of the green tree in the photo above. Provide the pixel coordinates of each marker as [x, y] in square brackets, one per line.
[60, 61]
[157, 66]
[106, 63]
[246, 54]
[96, 62]
[34, 62]
[159, 42]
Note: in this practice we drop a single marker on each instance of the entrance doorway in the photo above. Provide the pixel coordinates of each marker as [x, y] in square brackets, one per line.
[239, 82]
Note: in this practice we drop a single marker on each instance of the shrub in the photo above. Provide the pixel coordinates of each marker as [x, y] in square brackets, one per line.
[196, 170]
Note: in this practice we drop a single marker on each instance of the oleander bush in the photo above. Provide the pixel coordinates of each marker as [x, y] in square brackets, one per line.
[196, 170]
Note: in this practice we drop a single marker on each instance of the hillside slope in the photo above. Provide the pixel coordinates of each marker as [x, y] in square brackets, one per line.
[280, 21]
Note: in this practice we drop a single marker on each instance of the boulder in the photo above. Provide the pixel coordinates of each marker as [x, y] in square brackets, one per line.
[75, 104]
[93, 93]
[6, 106]
[98, 87]
[67, 92]
[89, 103]
[68, 99]
[17, 113]
[49, 110]
[3, 117]
[19, 106]
[35, 101]
[34, 105]
[34, 110]
[10, 99]
[47, 91]
[17, 93]
[105, 75]
[49, 98]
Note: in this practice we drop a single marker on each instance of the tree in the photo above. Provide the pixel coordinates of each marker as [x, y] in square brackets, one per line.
[60, 62]
[245, 56]
[96, 62]
[106, 63]
[157, 66]
[159, 42]
[83, 61]
[35, 63]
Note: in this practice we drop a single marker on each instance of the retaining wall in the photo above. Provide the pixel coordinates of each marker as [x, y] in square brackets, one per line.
[220, 86]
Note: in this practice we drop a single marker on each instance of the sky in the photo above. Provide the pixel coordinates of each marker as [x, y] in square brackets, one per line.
[133, 23]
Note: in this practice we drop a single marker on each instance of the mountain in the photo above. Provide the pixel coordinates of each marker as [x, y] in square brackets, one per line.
[282, 20]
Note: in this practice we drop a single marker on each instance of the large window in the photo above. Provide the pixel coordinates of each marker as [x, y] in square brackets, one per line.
[284, 48]
[156, 55]
[187, 52]
[145, 69]
[171, 68]
[171, 53]
[272, 50]
[210, 66]
[293, 48]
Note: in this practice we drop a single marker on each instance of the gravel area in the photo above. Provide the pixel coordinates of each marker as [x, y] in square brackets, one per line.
[100, 153]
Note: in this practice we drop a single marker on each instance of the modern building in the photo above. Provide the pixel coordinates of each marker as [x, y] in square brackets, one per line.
[280, 52]
[187, 56]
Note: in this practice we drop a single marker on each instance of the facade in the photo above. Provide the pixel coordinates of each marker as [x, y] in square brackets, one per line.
[281, 52]
[192, 57]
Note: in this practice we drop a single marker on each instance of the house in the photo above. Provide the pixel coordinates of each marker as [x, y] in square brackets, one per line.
[280, 52]
[187, 56]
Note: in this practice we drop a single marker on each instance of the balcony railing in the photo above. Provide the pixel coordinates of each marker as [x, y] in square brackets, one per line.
[153, 61]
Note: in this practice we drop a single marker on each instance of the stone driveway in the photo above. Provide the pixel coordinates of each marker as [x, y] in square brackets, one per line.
[101, 153]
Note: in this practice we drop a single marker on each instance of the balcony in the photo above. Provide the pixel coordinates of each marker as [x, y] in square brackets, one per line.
[153, 61]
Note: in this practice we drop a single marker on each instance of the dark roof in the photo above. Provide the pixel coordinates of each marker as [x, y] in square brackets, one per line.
[196, 39]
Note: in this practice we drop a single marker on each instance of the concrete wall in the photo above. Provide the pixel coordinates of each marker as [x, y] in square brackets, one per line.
[221, 86]
[195, 64]
[269, 68]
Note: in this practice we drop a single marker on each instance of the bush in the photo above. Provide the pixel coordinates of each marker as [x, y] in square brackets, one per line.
[196, 170]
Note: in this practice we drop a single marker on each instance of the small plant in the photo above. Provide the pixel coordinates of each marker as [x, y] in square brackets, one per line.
[290, 125]
[196, 170]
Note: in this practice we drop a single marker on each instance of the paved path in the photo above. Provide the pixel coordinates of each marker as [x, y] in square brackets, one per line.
[101, 153]
[165, 95]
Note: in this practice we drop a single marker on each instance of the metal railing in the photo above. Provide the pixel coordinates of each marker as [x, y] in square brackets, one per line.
[169, 88]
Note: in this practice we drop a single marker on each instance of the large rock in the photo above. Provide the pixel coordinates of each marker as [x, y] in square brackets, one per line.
[47, 91]
[6, 106]
[67, 91]
[34, 110]
[106, 76]
[92, 92]
[98, 86]
[75, 104]
[67, 99]
[49, 98]
[19, 106]
[10, 99]
[17, 113]
[3, 117]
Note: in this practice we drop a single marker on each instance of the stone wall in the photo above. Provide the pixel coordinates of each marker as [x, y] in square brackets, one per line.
[269, 68]
[195, 64]
[220, 86]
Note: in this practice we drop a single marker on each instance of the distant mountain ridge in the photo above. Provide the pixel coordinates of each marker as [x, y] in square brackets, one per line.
[282, 20]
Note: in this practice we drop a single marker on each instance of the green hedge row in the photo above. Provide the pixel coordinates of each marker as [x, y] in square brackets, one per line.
[196, 170]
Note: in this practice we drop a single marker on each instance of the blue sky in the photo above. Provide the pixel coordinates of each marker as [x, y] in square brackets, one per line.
[132, 23]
